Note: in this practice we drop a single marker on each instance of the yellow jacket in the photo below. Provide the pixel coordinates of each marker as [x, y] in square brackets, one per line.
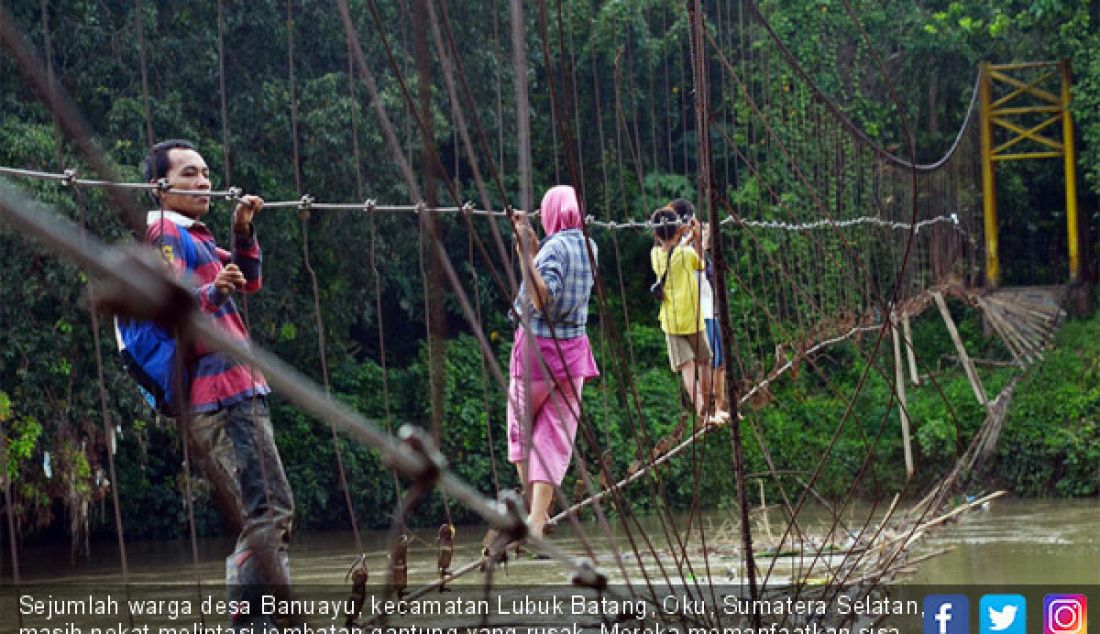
[680, 314]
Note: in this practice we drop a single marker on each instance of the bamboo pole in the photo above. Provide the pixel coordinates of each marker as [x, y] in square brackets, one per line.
[923, 528]
[1031, 338]
[910, 355]
[971, 373]
[1030, 333]
[903, 407]
[1019, 353]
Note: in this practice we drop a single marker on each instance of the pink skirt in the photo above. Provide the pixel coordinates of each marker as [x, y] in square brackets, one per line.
[542, 424]
[564, 358]
[545, 440]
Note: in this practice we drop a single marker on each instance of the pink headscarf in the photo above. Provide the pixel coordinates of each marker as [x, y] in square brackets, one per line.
[560, 210]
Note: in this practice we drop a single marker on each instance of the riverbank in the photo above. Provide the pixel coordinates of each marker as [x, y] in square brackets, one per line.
[1051, 441]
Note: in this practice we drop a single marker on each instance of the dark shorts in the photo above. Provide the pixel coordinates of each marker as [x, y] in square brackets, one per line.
[714, 340]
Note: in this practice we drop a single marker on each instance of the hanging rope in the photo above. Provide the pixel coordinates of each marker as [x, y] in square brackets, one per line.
[223, 94]
[583, 427]
[47, 44]
[139, 17]
[108, 432]
[435, 382]
[304, 208]
[710, 196]
[354, 117]
[445, 59]
[671, 534]
[381, 337]
[484, 371]
[431, 156]
[597, 509]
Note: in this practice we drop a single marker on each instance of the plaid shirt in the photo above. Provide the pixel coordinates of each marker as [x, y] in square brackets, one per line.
[217, 381]
[563, 262]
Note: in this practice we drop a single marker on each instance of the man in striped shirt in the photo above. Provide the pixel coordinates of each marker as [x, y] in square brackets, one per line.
[230, 426]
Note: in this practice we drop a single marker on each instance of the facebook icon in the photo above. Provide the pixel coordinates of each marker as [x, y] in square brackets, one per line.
[946, 614]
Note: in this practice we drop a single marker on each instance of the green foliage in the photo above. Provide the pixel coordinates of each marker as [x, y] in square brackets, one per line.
[1051, 441]
[18, 437]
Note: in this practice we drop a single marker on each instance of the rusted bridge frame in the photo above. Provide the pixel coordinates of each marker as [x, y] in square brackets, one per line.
[997, 114]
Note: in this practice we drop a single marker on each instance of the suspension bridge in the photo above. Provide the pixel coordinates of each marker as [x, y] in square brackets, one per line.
[826, 238]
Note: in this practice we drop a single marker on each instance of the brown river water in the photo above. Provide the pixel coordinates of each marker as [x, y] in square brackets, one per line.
[1033, 541]
[1029, 543]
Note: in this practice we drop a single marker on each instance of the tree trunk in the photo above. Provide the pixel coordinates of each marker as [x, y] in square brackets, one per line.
[933, 107]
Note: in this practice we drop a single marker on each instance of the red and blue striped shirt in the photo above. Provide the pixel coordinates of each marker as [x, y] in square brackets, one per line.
[217, 381]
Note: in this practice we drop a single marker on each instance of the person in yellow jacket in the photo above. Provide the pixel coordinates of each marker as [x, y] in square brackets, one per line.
[676, 266]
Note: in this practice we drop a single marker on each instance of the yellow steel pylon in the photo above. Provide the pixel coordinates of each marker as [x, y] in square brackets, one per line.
[1005, 113]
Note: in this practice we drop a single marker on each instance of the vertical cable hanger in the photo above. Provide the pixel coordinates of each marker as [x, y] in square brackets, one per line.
[319, 324]
[223, 95]
[139, 16]
[48, 46]
[108, 432]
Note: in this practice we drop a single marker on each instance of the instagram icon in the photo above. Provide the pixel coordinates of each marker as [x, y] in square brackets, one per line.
[1065, 614]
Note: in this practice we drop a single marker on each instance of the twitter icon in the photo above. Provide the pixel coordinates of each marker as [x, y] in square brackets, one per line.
[1002, 614]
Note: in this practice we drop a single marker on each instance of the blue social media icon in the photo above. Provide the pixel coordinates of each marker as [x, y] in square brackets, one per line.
[946, 614]
[1002, 614]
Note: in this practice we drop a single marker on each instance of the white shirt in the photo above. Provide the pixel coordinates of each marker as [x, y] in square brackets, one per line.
[706, 293]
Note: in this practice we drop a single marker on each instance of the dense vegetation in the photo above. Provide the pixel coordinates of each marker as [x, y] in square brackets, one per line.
[627, 60]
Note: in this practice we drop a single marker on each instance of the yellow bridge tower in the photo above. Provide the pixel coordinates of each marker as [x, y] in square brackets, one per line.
[1024, 99]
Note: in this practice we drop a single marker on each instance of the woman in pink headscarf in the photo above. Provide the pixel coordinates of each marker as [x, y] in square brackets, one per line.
[551, 356]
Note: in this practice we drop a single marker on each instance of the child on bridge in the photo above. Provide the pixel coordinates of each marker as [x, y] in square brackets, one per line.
[676, 265]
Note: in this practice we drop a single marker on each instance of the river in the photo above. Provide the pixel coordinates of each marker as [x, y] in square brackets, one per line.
[1015, 541]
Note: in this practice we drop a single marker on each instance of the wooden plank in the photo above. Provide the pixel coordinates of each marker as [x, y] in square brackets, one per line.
[1043, 312]
[1013, 346]
[1031, 333]
[912, 358]
[1018, 350]
[1036, 327]
[1039, 321]
[1027, 301]
[971, 373]
[903, 406]
[996, 314]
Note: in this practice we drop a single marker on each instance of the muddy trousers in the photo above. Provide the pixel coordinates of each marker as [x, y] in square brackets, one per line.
[235, 448]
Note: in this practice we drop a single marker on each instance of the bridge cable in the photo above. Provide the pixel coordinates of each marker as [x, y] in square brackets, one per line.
[845, 121]
[108, 432]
